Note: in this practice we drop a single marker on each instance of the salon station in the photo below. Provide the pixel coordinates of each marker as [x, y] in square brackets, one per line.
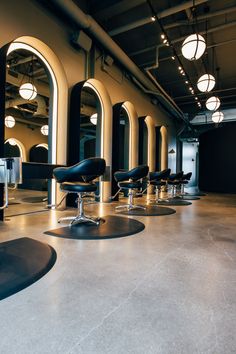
[117, 176]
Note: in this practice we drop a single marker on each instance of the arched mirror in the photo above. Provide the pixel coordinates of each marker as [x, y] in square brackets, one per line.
[90, 124]
[143, 142]
[124, 131]
[27, 112]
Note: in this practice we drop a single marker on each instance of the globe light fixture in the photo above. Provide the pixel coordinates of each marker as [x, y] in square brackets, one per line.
[44, 129]
[217, 117]
[206, 83]
[12, 142]
[193, 47]
[10, 121]
[213, 103]
[28, 91]
[94, 118]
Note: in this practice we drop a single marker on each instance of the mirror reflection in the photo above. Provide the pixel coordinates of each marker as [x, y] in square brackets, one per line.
[124, 140]
[27, 122]
[90, 124]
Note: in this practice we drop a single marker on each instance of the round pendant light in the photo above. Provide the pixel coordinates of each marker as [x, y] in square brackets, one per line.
[217, 117]
[213, 103]
[94, 118]
[12, 142]
[206, 83]
[28, 91]
[193, 47]
[10, 121]
[44, 129]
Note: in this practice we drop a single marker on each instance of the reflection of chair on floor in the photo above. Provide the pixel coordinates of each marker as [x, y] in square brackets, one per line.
[79, 179]
[131, 181]
[174, 182]
[158, 180]
[185, 180]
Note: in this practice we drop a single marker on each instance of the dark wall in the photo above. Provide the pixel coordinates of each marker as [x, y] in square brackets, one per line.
[217, 159]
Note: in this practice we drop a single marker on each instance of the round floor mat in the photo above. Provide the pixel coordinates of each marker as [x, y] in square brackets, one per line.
[38, 199]
[173, 202]
[153, 210]
[196, 194]
[189, 197]
[113, 226]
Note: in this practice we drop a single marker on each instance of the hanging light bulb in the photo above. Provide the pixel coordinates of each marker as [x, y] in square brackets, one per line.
[193, 47]
[12, 142]
[44, 129]
[10, 121]
[28, 91]
[94, 118]
[213, 103]
[206, 83]
[217, 117]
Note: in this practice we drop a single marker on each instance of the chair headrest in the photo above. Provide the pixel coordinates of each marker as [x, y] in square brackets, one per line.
[135, 174]
[187, 176]
[86, 171]
[178, 175]
[159, 175]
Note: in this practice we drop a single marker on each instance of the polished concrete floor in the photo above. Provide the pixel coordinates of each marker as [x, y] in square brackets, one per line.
[169, 289]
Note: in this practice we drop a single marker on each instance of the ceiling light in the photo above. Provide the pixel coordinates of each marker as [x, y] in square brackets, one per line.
[206, 83]
[94, 118]
[193, 47]
[28, 91]
[153, 18]
[196, 98]
[10, 121]
[162, 36]
[44, 129]
[213, 103]
[12, 142]
[217, 117]
[186, 81]
[173, 58]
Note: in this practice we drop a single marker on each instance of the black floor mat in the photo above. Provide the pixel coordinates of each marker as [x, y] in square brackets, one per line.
[22, 262]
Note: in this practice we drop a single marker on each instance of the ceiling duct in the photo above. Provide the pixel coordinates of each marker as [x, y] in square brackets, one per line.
[92, 27]
[39, 101]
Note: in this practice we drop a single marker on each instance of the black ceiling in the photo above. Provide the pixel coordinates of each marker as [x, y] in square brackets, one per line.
[129, 24]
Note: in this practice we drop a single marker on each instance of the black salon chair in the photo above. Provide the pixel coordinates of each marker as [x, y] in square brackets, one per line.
[184, 181]
[158, 180]
[79, 179]
[131, 181]
[174, 182]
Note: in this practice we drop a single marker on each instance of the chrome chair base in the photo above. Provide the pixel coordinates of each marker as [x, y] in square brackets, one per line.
[79, 219]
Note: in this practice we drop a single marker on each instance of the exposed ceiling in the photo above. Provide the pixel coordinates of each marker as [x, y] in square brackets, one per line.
[130, 25]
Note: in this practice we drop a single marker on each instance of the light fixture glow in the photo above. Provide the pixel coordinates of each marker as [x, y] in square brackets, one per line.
[206, 83]
[213, 103]
[28, 91]
[217, 117]
[94, 118]
[153, 18]
[10, 121]
[12, 142]
[193, 47]
[44, 129]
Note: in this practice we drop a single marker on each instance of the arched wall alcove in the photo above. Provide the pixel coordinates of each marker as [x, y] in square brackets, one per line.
[20, 146]
[106, 130]
[58, 112]
[151, 150]
[129, 108]
[164, 147]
